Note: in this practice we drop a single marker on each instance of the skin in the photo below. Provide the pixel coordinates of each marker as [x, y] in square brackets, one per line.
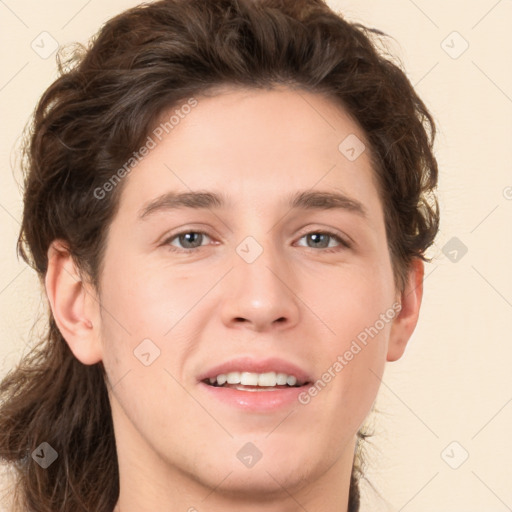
[176, 447]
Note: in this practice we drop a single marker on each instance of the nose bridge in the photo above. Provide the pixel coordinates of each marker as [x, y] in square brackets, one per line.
[259, 265]
[261, 291]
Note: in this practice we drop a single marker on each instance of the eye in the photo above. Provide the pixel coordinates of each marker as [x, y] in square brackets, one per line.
[319, 240]
[191, 240]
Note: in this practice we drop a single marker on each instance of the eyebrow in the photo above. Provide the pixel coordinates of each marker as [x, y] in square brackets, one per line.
[301, 200]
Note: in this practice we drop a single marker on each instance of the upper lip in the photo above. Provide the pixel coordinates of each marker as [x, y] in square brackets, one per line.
[250, 364]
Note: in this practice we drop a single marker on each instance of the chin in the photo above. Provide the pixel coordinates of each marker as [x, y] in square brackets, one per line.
[261, 483]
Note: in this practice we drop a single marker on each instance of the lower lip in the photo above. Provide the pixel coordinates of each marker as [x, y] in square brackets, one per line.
[258, 401]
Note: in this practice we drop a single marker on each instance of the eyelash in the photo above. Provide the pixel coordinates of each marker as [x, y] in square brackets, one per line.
[343, 243]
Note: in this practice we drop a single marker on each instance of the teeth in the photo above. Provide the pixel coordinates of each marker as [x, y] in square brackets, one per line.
[249, 379]
[269, 379]
[281, 379]
[234, 378]
[291, 380]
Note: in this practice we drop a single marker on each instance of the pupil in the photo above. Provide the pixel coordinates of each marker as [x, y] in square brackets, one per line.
[315, 236]
[186, 236]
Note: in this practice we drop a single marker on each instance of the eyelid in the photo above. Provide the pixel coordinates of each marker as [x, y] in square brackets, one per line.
[334, 233]
[344, 240]
[188, 228]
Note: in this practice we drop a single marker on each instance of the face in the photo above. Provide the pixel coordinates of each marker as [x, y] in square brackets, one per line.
[280, 267]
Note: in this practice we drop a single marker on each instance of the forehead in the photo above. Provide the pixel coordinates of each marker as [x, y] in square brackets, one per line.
[256, 146]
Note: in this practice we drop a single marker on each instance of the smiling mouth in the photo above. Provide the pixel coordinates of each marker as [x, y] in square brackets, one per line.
[249, 390]
[242, 387]
[249, 381]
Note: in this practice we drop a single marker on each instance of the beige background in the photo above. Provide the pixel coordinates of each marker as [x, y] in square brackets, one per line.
[454, 382]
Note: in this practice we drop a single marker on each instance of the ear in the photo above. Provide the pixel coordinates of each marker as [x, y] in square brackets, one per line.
[405, 323]
[74, 304]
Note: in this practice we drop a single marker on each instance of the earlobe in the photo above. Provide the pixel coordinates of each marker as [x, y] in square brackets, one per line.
[405, 322]
[73, 304]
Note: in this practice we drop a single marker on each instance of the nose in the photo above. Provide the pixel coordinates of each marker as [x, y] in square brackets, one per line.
[259, 295]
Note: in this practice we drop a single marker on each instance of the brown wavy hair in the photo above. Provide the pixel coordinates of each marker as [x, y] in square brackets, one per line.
[101, 108]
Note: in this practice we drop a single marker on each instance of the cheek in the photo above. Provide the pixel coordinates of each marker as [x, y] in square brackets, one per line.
[344, 393]
[351, 301]
[147, 318]
[148, 300]
[359, 316]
